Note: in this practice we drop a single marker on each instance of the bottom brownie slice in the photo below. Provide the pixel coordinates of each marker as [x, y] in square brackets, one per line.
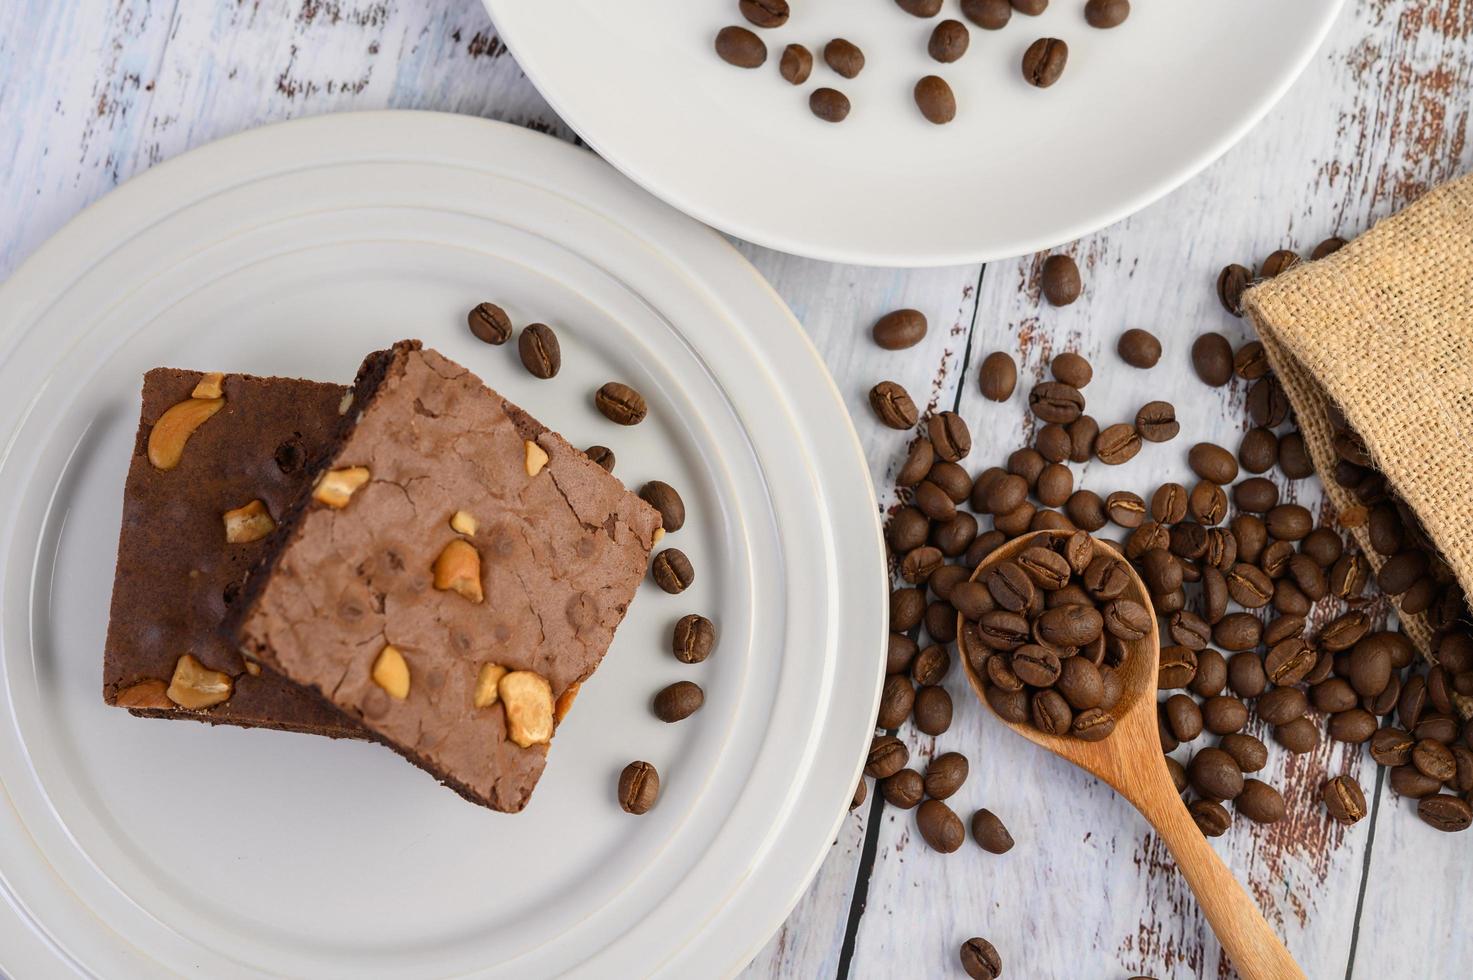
[216, 462]
[457, 570]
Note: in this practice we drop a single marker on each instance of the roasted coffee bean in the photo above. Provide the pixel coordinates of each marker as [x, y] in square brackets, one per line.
[1343, 799]
[489, 323]
[678, 701]
[1010, 586]
[1444, 812]
[930, 665]
[639, 788]
[1070, 625]
[1290, 661]
[1061, 286]
[892, 405]
[1211, 817]
[1117, 444]
[1139, 348]
[740, 47]
[935, 99]
[1411, 782]
[1044, 61]
[1256, 495]
[829, 104]
[1050, 713]
[602, 455]
[1036, 666]
[990, 15]
[765, 13]
[897, 698]
[1030, 7]
[972, 599]
[1212, 671]
[1127, 619]
[1260, 802]
[795, 65]
[1183, 717]
[945, 579]
[939, 826]
[951, 478]
[1214, 594]
[1223, 715]
[1246, 676]
[1017, 521]
[1294, 461]
[920, 8]
[900, 329]
[1212, 462]
[1355, 726]
[1348, 576]
[1106, 578]
[1231, 283]
[1207, 503]
[663, 498]
[1307, 575]
[695, 635]
[1054, 401]
[1222, 548]
[1299, 736]
[945, 775]
[1259, 450]
[1267, 404]
[1279, 262]
[1249, 753]
[1214, 774]
[672, 571]
[979, 959]
[1082, 434]
[1370, 668]
[1323, 546]
[1055, 484]
[1463, 780]
[1289, 522]
[1156, 422]
[1176, 669]
[1105, 14]
[1045, 567]
[907, 529]
[843, 57]
[1081, 683]
[1275, 558]
[933, 710]
[1188, 540]
[1237, 631]
[934, 502]
[918, 564]
[955, 536]
[899, 654]
[1027, 463]
[1169, 503]
[1434, 760]
[940, 622]
[538, 347]
[903, 789]
[949, 41]
[1070, 368]
[1212, 359]
[1392, 747]
[1086, 510]
[1333, 694]
[1251, 536]
[1092, 725]
[1401, 571]
[1170, 602]
[1052, 442]
[998, 376]
[1251, 361]
[1126, 509]
[1329, 246]
[1161, 571]
[887, 756]
[1249, 586]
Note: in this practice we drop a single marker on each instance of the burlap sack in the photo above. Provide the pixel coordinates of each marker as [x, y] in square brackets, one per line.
[1384, 329]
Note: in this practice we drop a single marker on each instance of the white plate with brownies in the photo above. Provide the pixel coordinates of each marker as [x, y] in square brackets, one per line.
[1059, 117]
[433, 573]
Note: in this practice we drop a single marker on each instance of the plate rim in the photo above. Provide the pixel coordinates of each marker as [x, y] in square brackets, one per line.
[55, 261]
[717, 218]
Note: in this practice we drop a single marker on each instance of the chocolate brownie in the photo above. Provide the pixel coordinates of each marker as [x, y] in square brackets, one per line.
[455, 573]
[216, 461]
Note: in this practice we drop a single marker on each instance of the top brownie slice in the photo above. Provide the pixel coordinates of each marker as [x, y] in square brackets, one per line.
[210, 475]
[455, 573]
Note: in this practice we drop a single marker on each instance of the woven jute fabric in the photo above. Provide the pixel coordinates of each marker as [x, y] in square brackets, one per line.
[1383, 329]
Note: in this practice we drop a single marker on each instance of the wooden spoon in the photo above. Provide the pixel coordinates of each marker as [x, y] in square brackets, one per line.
[1130, 760]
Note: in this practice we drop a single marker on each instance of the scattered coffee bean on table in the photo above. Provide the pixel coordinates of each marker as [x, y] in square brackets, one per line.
[1072, 369]
[920, 8]
[538, 348]
[940, 826]
[796, 64]
[694, 638]
[935, 100]
[843, 57]
[949, 41]
[740, 47]
[1060, 280]
[1156, 422]
[1106, 14]
[639, 787]
[1139, 348]
[1329, 246]
[990, 15]
[900, 329]
[980, 959]
[672, 571]
[1279, 262]
[893, 406]
[1032, 8]
[622, 404]
[1212, 359]
[1231, 283]
[765, 13]
[829, 104]
[1044, 61]
[990, 833]
[998, 376]
[1344, 800]
[489, 323]
[903, 789]
[945, 775]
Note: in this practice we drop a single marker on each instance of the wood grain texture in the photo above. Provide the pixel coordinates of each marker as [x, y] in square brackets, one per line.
[93, 91]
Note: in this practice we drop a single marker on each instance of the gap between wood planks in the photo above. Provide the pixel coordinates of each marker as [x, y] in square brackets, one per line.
[859, 897]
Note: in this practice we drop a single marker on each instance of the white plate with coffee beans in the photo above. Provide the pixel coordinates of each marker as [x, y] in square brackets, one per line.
[1102, 125]
[142, 847]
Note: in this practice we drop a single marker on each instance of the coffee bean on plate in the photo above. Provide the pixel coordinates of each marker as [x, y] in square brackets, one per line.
[933, 96]
[678, 701]
[843, 57]
[892, 405]
[639, 787]
[945, 775]
[765, 13]
[903, 789]
[1061, 286]
[1044, 61]
[672, 571]
[980, 960]
[796, 64]
[1139, 348]
[489, 323]
[663, 498]
[740, 47]
[1105, 14]
[695, 636]
[602, 455]
[538, 348]
[940, 826]
[949, 41]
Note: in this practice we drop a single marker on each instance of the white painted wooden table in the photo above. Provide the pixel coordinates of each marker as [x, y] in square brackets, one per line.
[94, 91]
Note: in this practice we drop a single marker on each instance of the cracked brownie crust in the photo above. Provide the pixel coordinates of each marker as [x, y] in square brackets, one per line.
[556, 549]
[176, 570]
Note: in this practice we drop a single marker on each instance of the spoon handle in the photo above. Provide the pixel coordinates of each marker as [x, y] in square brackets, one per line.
[1255, 949]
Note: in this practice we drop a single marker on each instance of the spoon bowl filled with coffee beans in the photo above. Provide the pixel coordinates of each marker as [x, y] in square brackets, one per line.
[1059, 639]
